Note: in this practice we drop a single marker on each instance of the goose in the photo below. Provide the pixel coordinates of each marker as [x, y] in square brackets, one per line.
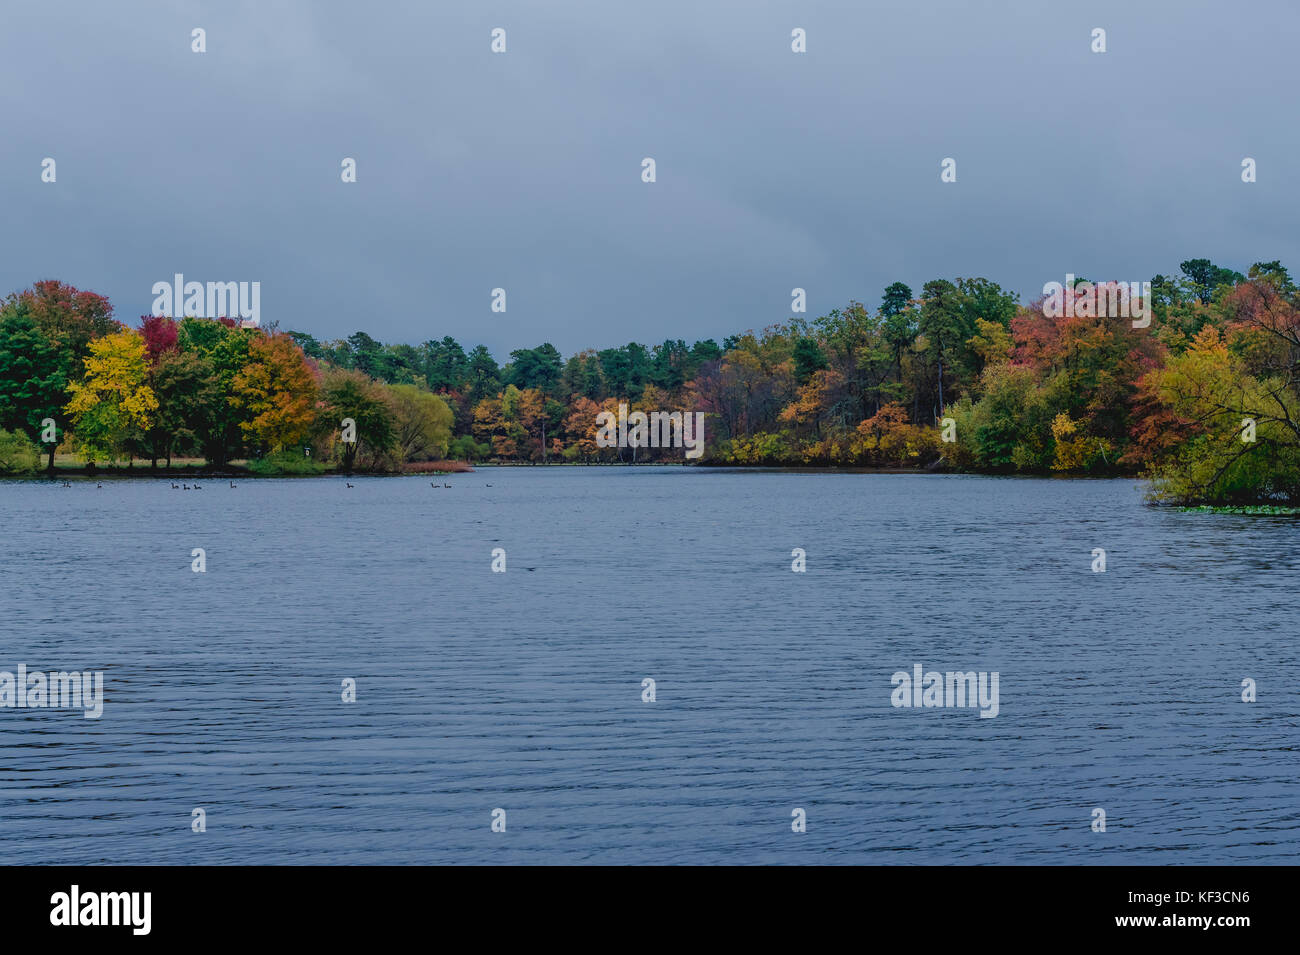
[185, 487]
[349, 485]
[99, 485]
[233, 484]
[446, 485]
[175, 486]
[197, 488]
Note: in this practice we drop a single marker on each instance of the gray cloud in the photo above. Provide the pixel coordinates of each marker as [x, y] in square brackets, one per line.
[523, 171]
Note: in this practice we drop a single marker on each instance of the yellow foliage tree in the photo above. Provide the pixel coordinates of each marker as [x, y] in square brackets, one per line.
[1074, 451]
[113, 401]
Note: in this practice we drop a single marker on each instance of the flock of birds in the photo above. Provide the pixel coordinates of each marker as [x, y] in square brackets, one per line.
[199, 487]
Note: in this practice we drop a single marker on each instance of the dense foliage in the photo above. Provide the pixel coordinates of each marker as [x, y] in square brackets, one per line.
[193, 388]
[1205, 400]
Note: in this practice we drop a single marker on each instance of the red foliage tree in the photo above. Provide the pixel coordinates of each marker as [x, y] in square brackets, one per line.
[160, 335]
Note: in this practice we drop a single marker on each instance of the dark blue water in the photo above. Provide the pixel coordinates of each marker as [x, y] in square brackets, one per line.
[477, 690]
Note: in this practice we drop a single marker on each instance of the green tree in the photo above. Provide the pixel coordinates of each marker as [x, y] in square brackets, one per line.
[896, 300]
[1205, 277]
[808, 358]
[351, 394]
[484, 375]
[538, 368]
[188, 396]
[446, 366]
[421, 423]
[34, 374]
[227, 348]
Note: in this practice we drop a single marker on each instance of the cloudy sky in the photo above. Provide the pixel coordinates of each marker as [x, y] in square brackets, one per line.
[523, 170]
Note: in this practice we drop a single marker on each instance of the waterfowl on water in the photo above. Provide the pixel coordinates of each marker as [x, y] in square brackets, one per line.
[349, 485]
[232, 484]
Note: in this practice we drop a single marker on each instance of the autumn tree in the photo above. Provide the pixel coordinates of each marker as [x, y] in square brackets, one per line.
[67, 316]
[161, 335]
[113, 400]
[277, 390]
[580, 428]
[1244, 441]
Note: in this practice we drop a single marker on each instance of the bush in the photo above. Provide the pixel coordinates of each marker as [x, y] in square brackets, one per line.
[17, 454]
[286, 462]
[465, 448]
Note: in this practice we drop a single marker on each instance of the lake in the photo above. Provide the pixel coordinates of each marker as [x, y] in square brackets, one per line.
[522, 690]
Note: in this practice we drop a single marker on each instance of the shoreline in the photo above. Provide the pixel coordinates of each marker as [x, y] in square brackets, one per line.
[97, 473]
[103, 471]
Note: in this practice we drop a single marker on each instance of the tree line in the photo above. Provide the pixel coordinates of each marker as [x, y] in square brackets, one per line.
[1205, 401]
[192, 388]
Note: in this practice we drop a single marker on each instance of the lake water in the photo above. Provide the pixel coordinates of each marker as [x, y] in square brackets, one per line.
[523, 690]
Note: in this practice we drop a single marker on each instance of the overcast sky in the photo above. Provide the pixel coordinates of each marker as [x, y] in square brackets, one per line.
[523, 170]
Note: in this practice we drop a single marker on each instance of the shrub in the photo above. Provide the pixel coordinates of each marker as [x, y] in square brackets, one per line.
[465, 448]
[286, 462]
[17, 454]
